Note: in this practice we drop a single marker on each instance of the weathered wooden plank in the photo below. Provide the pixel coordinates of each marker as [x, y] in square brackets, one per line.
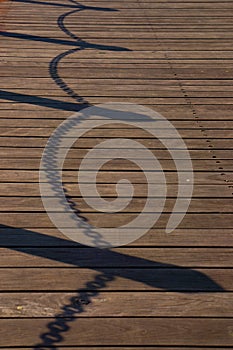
[51, 237]
[205, 205]
[196, 143]
[120, 165]
[88, 82]
[191, 220]
[119, 304]
[38, 107]
[113, 279]
[45, 87]
[135, 34]
[110, 91]
[117, 258]
[155, 20]
[30, 99]
[86, 73]
[109, 55]
[95, 32]
[213, 5]
[202, 177]
[172, 112]
[90, 131]
[124, 45]
[31, 190]
[123, 331]
[101, 25]
[136, 11]
[133, 73]
[117, 129]
[21, 152]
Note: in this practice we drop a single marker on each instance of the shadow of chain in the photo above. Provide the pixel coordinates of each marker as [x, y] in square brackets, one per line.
[70, 311]
[84, 296]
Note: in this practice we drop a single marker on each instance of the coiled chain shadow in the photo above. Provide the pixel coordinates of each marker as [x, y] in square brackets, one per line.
[53, 67]
[70, 311]
[84, 296]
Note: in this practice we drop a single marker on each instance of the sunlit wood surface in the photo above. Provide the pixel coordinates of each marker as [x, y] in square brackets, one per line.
[162, 291]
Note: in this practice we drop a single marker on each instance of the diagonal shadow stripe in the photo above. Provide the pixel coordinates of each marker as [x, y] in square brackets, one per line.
[37, 244]
[39, 101]
[168, 277]
[80, 43]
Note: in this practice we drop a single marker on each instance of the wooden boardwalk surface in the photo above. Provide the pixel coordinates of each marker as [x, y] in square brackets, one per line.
[162, 291]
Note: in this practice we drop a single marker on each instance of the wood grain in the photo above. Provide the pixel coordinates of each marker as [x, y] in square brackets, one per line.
[163, 291]
[121, 257]
[123, 304]
[118, 331]
[126, 279]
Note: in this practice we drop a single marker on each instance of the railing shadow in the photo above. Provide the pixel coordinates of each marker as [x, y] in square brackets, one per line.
[77, 44]
[82, 44]
[39, 101]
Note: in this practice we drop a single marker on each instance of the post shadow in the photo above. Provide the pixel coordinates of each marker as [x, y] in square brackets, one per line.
[108, 264]
[75, 254]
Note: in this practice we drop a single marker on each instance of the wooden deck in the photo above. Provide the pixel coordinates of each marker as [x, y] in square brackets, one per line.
[162, 291]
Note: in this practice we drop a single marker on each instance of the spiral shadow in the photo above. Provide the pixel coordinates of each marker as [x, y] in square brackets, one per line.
[77, 304]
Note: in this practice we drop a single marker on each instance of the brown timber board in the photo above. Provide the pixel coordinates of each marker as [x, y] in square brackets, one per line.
[163, 291]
